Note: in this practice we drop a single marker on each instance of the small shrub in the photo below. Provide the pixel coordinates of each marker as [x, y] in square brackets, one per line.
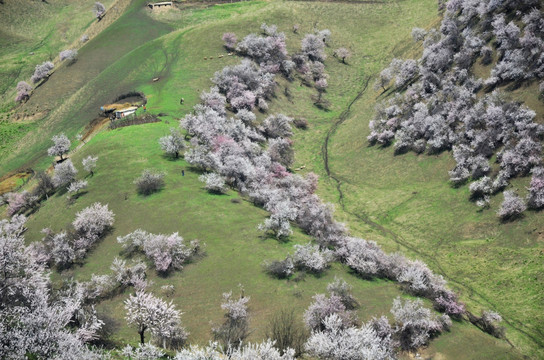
[280, 269]
[230, 40]
[301, 123]
[149, 182]
[287, 332]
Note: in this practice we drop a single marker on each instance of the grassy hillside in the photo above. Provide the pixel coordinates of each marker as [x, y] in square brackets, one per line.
[402, 202]
[233, 253]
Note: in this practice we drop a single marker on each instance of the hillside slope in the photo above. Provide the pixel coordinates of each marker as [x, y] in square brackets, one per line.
[401, 202]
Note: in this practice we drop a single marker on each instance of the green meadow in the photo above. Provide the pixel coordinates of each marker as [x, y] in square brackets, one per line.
[402, 202]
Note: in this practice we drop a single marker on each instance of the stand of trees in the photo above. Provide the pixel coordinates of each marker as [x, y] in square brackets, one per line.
[436, 107]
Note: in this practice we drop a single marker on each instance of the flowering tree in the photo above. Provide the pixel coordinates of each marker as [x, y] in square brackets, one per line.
[230, 40]
[310, 257]
[336, 342]
[19, 201]
[34, 320]
[214, 182]
[166, 251]
[23, 91]
[235, 329]
[99, 10]
[65, 172]
[277, 126]
[147, 312]
[342, 289]
[76, 186]
[511, 207]
[342, 54]
[42, 71]
[323, 307]
[313, 47]
[69, 54]
[414, 324]
[60, 147]
[281, 151]
[172, 144]
[324, 35]
[90, 224]
[279, 221]
[89, 164]
[536, 189]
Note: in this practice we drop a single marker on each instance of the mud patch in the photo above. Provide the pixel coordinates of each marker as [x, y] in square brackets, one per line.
[11, 182]
[134, 97]
[93, 127]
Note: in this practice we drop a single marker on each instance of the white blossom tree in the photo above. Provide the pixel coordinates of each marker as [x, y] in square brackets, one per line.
[35, 321]
[69, 54]
[512, 206]
[235, 329]
[336, 342]
[90, 224]
[42, 71]
[148, 313]
[415, 324]
[76, 186]
[61, 146]
[313, 259]
[214, 182]
[172, 144]
[89, 163]
[65, 172]
[342, 54]
[166, 251]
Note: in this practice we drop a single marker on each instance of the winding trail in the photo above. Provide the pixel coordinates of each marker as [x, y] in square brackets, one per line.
[398, 239]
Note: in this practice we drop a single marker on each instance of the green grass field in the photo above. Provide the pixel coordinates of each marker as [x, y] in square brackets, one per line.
[403, 202]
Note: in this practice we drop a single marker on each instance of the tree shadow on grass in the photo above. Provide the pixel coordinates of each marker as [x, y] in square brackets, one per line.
[270, 236]
[171, 158]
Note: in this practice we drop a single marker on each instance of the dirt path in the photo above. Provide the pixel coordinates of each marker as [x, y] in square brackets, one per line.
[398, 239]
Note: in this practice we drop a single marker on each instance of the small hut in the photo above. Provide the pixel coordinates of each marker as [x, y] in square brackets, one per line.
[159, 5]
[125, 112]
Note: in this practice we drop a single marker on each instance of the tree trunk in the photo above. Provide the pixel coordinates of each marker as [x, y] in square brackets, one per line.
[141, 336]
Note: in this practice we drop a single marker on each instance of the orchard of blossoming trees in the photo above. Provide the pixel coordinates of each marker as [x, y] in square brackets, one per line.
[436, 106]
[249, 158]
[236, 150]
